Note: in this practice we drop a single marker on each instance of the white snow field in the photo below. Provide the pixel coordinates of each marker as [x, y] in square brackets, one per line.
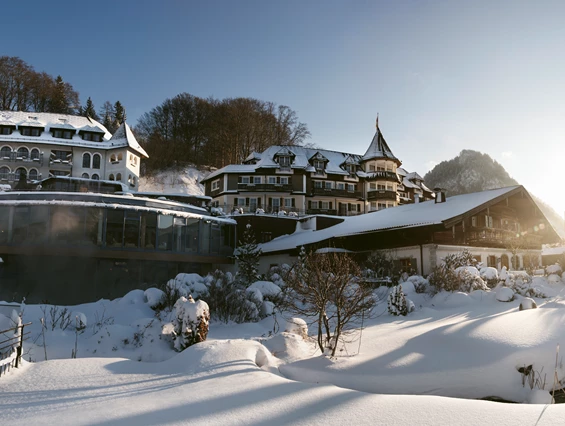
[423, 369]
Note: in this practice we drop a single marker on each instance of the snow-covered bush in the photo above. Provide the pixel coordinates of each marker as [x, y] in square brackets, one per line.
[190, 322]
[554, 279]
[553, 269]
[397, 304]
[154, 297]
[527, 303]
[421, 285]
[470, 279]
[456, 260]
[229, 300]
[268, 295]
[522, 284]
[443, 278]
[489, 275]
[247, 255]
[297, 326]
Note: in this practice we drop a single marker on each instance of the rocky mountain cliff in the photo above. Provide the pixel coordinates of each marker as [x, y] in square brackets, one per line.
[472, 171]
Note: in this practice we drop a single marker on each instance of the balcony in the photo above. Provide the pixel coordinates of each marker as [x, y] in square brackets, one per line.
[383, 175]
[498, 237]
[332, 212]
[264, 187]
[332, 192]
[14, 158]
[381, 194]
[57, 162]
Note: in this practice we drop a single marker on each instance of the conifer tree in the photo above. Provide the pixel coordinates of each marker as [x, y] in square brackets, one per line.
[247, 255]
[89, 111]
[119, 114]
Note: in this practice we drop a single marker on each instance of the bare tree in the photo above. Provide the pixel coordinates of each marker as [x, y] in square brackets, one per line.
[326, 289]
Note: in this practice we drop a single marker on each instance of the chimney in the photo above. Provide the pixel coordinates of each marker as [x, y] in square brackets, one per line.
[440, 195]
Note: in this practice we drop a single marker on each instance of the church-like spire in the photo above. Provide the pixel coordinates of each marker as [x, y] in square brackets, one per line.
[379, 148]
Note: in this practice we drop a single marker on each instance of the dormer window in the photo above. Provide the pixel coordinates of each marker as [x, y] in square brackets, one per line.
[91, 136]
[5, 130]
[350, 168]
[318, 164]
[284, 161]
[30, 131]
[62, 134]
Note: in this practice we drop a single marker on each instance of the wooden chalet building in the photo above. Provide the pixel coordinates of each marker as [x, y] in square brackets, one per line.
[501, 227]
[297, 180]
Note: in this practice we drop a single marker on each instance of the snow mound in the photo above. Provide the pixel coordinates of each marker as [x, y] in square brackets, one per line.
[553, 269]
[297, 326]
[504, 294]
[527, 303]
[153, 296]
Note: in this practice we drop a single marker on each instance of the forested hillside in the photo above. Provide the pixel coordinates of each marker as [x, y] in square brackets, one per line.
[472, 171]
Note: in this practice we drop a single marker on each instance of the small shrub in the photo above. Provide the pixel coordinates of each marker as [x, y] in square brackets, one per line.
[190, 322]
[443, 278]
[397, 304]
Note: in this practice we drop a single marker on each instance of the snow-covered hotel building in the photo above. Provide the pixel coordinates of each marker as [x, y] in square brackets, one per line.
[41, 145]
[316, 181]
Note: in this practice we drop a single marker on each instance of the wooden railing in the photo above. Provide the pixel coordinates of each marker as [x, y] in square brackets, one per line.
[11, 347]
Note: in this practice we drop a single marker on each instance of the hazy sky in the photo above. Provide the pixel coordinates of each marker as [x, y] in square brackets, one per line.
[443, 75]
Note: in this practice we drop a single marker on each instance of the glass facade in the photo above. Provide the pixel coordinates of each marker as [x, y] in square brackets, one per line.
[114, 228]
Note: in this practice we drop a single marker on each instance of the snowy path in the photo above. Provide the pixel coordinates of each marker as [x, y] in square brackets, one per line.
[220, 383]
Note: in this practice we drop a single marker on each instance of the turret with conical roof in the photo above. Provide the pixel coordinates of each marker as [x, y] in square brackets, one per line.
[379, 149]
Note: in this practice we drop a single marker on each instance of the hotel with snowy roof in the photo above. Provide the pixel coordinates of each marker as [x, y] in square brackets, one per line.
[297, 180]
[35, 146]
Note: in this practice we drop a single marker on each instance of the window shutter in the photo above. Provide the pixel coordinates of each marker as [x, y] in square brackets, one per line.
[247, 201]
[259, 202]
[281, 202]
[349, 206]
[293, 202]
[270, 201]
[239, 179]
[310, 204]
[330, 205]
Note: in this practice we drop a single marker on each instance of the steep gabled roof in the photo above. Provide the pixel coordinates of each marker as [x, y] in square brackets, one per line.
[379, 148]
[405, 216]
[124, 133]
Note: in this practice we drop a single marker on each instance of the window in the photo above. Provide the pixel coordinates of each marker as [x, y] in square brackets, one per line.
[95, 177]
[325, 205]
[120, 156]
[5, 152]
[119, 177]
[474, 221]
[19, 172]
[373, 205]
[67, 134]
[216, 185]
[373, 185]
[165, 232]
[96, 137]
[381, 206]
[381, 187]
[241, 202]
[276, 202]
[57, 133]
[86, 176]
[328, 185]
[244, 179]
[318, 184]
[34, 154]
[351, 187]
[314, 205]
[284, 180]
[6, 130]
[350, 168]
[111, 177]
[372, 168]
[289, 202]
[318, 164]
[86, 160]
[389, 187]
[284, 161]
[114, 227]
[4, 172]
[353, 207]
[272, 180]
[340, 185]
[256, 179]
[96, 161]
[23, 152]
[87, 136]
[389, 168]
[30, 131]
[33, 174]
[380, 169]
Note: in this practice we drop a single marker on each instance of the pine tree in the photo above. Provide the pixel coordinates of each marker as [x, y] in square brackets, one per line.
[59, 102]
[247, 255]
[397, 304]
[119, 114]
[89, 111]
[107, 114]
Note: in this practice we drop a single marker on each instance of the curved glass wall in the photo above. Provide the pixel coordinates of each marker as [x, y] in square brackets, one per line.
[114, 229]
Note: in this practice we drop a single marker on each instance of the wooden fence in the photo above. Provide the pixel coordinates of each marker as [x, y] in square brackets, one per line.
[11, 347]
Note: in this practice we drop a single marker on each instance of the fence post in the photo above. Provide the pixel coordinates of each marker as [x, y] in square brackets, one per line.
[20, 346]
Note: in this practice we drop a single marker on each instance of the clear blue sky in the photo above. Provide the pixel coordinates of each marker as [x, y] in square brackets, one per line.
[443, 75]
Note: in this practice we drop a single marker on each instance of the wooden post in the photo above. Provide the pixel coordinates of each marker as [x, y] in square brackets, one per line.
[20, 346]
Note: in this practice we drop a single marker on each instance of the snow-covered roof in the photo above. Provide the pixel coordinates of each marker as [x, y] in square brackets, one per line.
[124, 133]
[379, 148]
[548, 251]
[405, 216]
[122, 138]
[301, 157]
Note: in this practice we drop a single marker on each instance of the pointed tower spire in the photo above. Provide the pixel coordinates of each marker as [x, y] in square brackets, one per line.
[379, 148]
